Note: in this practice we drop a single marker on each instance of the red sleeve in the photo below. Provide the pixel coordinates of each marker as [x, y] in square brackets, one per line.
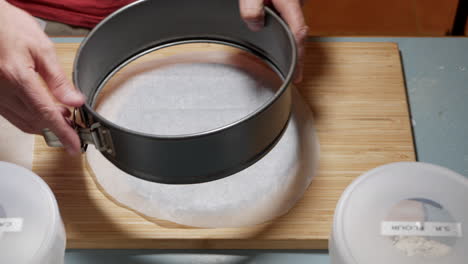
[83, 13]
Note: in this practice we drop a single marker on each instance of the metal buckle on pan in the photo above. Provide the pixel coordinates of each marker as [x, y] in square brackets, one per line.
[95, 134]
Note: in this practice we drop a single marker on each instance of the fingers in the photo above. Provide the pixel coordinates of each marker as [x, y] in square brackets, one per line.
[19, 115]
[300, 64]
[17, 120]
[252, 12]
[22, 56]
[15, 105]
[64, 111]
[292, 13]
[47, 113]
[48, 67]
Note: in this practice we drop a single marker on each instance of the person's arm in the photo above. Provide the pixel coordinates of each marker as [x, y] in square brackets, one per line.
[291, 11]
[26, 54]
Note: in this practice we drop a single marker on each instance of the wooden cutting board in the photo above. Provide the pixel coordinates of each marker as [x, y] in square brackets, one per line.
[357, 94]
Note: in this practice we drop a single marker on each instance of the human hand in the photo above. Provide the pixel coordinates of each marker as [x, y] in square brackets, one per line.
[253, 14]
[26, 54]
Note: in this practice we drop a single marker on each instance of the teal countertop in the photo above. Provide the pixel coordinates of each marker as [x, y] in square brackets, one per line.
[436, 76]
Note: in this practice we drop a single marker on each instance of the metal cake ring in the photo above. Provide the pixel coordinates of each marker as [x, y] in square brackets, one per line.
[145, 26]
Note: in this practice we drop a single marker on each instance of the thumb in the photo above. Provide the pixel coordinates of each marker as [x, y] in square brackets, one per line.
[48, 67]
[253, 14]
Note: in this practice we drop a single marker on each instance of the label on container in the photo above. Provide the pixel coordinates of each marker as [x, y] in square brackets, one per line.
[11, 224]
[438, 229]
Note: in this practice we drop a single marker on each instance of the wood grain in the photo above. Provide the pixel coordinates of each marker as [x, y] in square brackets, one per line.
[380, 17]
[357, 94]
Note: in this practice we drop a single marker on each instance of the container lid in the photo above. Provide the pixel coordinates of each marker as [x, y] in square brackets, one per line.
[405, 213]
[28, 215]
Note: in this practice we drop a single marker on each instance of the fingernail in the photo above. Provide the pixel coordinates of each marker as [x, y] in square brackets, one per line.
[298, 77]
[79, 95]
[255, 25]
[75, 97]
[70, 151]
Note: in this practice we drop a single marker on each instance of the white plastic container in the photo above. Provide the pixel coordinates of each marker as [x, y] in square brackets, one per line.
[405, 213]
[31, 229]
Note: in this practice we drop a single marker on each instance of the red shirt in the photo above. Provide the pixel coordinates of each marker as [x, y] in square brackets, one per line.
[83, 13]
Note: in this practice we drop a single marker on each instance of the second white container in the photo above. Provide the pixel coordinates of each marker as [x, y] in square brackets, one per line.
[31, 229]
[405, 213]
